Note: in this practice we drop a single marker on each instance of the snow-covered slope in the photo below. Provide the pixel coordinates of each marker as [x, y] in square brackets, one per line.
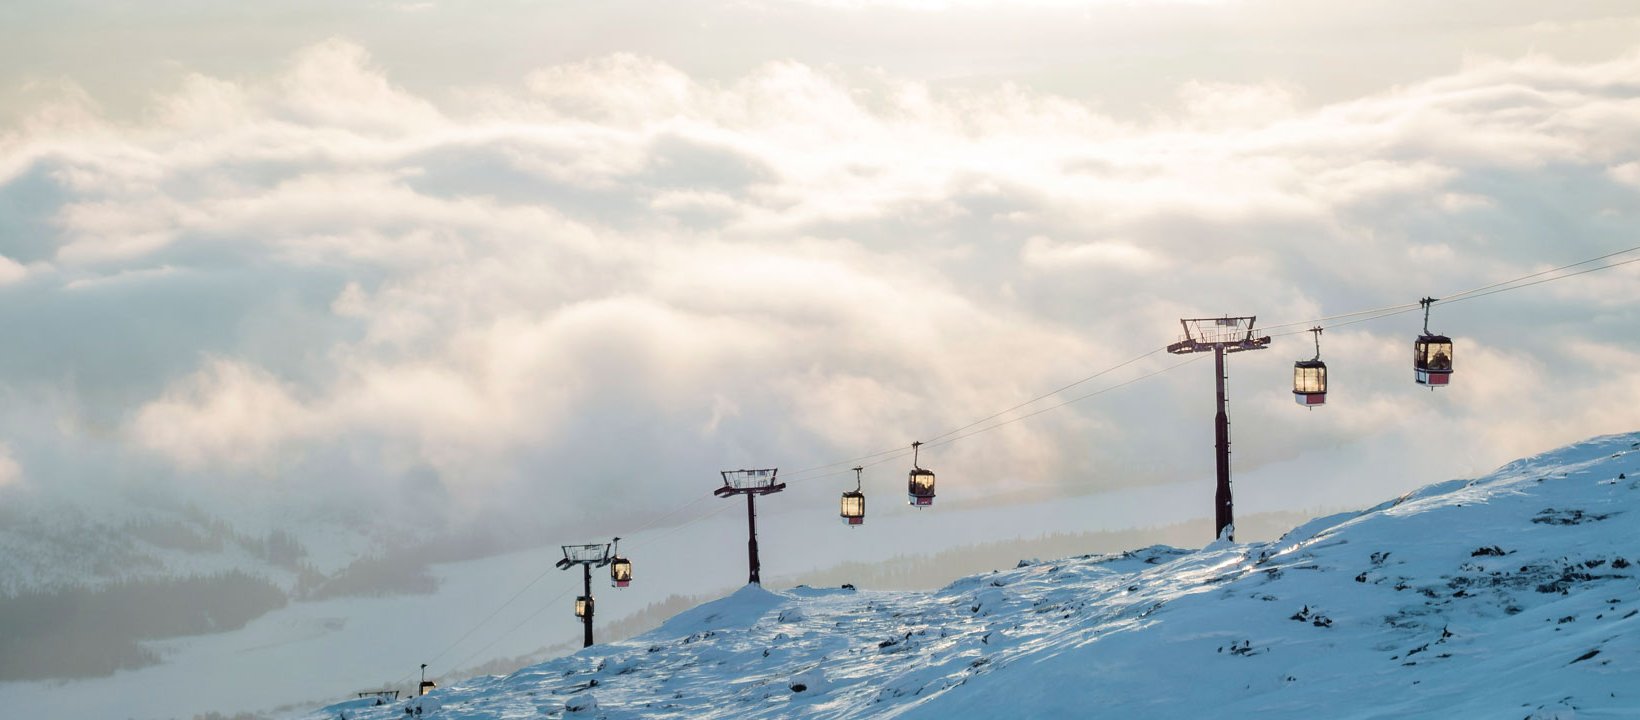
[1514, 595]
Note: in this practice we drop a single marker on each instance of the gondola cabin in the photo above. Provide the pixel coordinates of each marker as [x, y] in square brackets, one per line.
[620, 572]
[854, 508]
[583, 606]
[1310, 382]
[426, 687]
[920, 488]
[1432, 360]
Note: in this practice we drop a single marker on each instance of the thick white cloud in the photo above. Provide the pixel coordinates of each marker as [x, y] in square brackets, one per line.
[614, 274]
[227, 414]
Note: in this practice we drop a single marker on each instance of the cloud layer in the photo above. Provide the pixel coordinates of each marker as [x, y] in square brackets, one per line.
[587, 291]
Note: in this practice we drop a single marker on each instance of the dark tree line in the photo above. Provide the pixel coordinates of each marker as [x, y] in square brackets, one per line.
[90, 632]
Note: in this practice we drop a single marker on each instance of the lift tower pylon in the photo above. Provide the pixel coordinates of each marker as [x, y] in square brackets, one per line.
[1219, 336]
[750, 483]
[587, 556]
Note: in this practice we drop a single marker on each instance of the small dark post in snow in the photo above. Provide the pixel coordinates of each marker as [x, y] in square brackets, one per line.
[1219, 336]
[587, 556]
[750, 483]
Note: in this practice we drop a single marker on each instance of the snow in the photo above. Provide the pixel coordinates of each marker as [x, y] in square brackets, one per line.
[312, 650]
[1513, 595]
[739, 610]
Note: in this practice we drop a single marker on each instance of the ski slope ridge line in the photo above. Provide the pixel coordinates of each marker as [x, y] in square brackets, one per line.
[1511, 595]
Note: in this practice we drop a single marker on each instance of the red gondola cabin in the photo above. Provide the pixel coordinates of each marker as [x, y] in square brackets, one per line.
[1310, 382]
[1310, 376]
[1432, 360]
[620, 572]
[920, 485]
[920, 489]
[854, 508]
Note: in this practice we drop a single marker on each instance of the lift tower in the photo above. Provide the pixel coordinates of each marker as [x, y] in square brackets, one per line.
[1219, 336]
[587, 556]
[750, 483]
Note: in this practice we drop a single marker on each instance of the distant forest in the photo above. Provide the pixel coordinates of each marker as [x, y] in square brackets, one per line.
[79, 632]
[95, 629]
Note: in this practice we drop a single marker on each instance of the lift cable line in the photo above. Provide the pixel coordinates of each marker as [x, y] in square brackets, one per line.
[544, 573]
[1071, 401]
[1047, 395]
[1539, 282]
[892, 455]
[1452, 297]
[1469, 294]
[896, 454]
[1389, 310]
[719, 510]
[937, 439]
[489, 617]
[1413, 307]
[903, 453]
[1358, 316]
[957, 434]
[512, 631]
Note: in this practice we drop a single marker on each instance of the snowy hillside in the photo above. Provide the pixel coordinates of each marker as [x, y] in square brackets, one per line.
[1509, 596]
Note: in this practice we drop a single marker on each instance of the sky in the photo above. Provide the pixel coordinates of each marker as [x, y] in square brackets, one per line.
[519, 263]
